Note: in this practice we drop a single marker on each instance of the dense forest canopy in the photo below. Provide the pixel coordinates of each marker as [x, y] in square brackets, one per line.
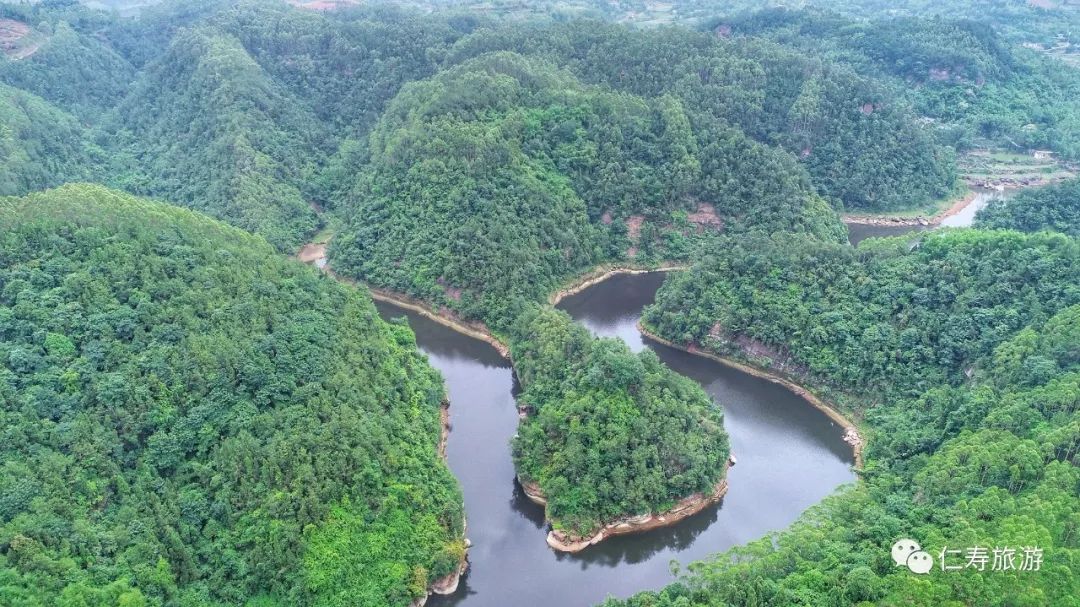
[457, 162]
[190, 419]
[1054, 207]
[608, 432]
[960, 73]
[207, 94]
[231, 108]
[73, 70]
[259, 113]
[960, 353]
[40, 145]
[890, 318]
[861, 149]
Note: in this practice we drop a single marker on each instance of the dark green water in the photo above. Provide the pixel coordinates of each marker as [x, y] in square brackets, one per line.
[790, 456]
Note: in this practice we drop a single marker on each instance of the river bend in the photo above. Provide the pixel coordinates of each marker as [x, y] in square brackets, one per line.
[790, 456]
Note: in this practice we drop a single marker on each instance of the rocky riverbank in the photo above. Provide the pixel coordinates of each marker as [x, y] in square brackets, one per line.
[851, 431]
[897, 220]
[447, 584]
[685, 508]
[445, 317]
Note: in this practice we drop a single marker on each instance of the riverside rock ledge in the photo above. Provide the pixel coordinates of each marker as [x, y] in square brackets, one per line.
[685, 508]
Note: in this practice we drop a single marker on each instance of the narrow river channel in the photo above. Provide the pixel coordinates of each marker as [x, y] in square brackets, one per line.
[790, 457]
[964, 218]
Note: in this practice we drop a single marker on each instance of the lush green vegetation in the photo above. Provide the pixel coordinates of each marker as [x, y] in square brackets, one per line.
[230, 108]
[264, 94]
[259, 113]
[207, 94]
[70, 68]
[959, 73]
[40, 145]
[1053, 207]
[961, 357]
[493, 182]
[189, 418]
[608, 432]
[891, 318]
[1019, 20]
[861, 149]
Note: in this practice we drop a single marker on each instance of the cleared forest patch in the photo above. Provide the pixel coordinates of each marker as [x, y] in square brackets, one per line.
[18, 40]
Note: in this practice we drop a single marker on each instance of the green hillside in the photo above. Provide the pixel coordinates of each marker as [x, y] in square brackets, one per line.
[1054, 207]
[191, 419]
[207, 128]
[861, 148]
[958, 73]
[495, 181]
[960, 357]
[40, 145]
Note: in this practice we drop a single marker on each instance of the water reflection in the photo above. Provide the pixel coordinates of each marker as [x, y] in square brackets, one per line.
[790, 457]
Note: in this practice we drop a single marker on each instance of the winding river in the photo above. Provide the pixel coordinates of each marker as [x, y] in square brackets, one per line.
[961, 219]
[790, 457]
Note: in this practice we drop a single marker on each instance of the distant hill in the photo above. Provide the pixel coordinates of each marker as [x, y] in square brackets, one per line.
[206, 127]
[40, 145]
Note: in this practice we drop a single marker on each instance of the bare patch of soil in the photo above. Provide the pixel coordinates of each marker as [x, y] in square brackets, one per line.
[12, 39]
[312, 252]
[706, 216]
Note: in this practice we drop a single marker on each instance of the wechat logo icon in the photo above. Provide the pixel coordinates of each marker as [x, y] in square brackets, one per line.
[908, 552]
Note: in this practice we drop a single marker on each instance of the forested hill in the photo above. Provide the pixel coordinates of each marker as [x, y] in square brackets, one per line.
[207, 128]
[72, 69]
[189, 418]
[862, 149]
[959, 73]
[1054, 207]
[960, 355]
[498, 179]
[891, 318]
[239, 116]
[259, 113]
[231, 108]
[994, 465]
[40, 145]
[608, 433]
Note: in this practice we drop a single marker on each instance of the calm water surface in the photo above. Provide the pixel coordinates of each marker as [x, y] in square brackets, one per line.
[962, 219]
[790, 457]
